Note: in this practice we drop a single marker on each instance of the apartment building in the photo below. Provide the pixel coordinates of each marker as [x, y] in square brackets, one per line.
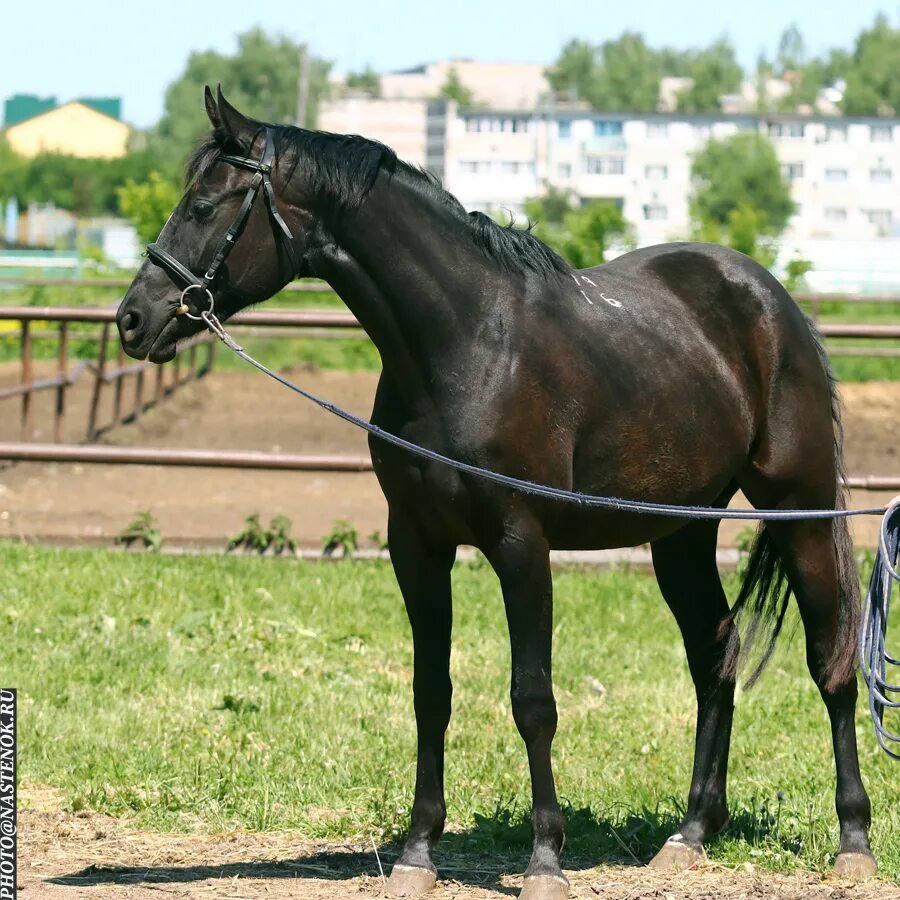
[844, 172]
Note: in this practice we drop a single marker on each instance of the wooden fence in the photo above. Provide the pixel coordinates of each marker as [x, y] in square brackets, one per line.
[169, 378]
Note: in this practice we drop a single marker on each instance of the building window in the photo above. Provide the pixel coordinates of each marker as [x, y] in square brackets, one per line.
[881, 133]
[835, 174]
[655, 212]
[476, 166]
[657, 129]
[604, 165]
[792, 171]
[880, 175]
[564, 130]
[880, 218]
[656, 172]
[786, 129]
[605, 128]
[836, 133]
[564, 170]
[835, 214]
[515, 167]
[497, 124]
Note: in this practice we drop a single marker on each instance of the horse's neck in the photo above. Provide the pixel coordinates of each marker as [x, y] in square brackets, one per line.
[402, 265]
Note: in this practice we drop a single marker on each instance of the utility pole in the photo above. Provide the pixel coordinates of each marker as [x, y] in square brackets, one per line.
[303, 86]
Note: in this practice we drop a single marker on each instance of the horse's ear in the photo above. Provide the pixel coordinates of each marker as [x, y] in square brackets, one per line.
[236, 125]
[212, 111]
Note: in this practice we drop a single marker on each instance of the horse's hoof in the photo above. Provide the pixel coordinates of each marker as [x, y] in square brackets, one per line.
[856, 865]
[545, 887]
[676, 854]
[410, 881]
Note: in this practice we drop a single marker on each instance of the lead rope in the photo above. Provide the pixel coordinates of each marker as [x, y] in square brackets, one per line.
[873, 654]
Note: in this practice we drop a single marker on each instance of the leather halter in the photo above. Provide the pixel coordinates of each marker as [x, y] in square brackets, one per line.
[184, 277]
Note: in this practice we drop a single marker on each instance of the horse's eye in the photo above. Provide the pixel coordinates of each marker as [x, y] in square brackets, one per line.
[202, 209]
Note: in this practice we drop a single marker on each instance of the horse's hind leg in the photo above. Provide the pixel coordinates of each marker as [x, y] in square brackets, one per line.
[685, 565]
[423, 573]
[810, 554]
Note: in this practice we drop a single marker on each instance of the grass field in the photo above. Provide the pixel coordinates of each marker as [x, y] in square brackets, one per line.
[353, 353]
[208, 693]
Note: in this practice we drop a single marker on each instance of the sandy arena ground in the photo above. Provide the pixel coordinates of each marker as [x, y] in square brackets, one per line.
[86, 856]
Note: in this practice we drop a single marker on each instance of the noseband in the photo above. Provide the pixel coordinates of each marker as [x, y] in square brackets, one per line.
[185, 278]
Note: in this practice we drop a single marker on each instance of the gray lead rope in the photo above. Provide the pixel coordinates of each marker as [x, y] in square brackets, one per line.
[873, 655]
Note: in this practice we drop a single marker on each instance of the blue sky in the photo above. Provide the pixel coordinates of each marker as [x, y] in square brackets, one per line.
[133, 50]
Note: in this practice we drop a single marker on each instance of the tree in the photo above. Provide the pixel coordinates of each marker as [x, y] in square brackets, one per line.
[714, 72]
[791, 53]
[581, 235]
[573, 73]
[261, 79]
[454, 89]
[621, 75]
[740, 171]
[367, 82]
[873, 85]
[12, 171]
[148, 204]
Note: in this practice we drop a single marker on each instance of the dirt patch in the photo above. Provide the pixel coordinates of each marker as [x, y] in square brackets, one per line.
[93, 856]
[243, 411]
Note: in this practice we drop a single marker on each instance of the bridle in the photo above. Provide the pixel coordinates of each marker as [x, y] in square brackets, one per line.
[185, 278]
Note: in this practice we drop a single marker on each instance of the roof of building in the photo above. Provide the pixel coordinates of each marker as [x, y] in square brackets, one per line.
[21, 107]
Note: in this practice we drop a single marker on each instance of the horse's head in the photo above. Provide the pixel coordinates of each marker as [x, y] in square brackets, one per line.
[227, 241]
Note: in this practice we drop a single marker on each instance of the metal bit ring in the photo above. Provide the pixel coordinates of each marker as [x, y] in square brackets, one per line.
[185, 310]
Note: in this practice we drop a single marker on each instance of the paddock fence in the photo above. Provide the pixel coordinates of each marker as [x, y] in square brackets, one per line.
[152, 384]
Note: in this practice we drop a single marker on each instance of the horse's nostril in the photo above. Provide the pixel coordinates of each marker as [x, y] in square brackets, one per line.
[131, 325]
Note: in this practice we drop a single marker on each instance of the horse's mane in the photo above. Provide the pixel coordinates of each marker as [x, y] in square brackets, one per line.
[344, 167]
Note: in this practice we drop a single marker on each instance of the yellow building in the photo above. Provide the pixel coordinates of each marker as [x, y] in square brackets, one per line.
[75, 129]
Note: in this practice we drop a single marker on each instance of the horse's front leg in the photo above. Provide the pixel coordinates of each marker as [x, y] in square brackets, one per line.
[422, 567]
[522, 562]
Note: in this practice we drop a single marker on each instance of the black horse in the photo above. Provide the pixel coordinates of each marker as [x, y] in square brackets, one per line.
[678, 373]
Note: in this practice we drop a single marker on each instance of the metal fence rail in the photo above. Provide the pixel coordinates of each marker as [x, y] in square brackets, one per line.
[253, 459]
[169, 378]
[104, 374]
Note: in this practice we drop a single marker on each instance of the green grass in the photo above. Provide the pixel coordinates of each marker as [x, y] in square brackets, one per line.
[210, 693]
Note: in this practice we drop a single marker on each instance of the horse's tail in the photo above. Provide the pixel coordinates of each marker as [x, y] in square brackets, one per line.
[765, 591]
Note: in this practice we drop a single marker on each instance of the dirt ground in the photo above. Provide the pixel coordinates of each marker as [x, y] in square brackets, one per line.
[243, 411]
[86, 856]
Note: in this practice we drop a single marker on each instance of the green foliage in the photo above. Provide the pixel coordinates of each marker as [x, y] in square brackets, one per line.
[735, 174]
[255, 538]
[620, 75]
[12, 171]
[795, 273]
[367, 82]
[85, 186]
[454, 89]
[148, 205]
[141, 530]
[260, 79]
[873, 85]
[343, 536]
[581, 235]
[624, 75]
[715, 72]
[791, 53]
